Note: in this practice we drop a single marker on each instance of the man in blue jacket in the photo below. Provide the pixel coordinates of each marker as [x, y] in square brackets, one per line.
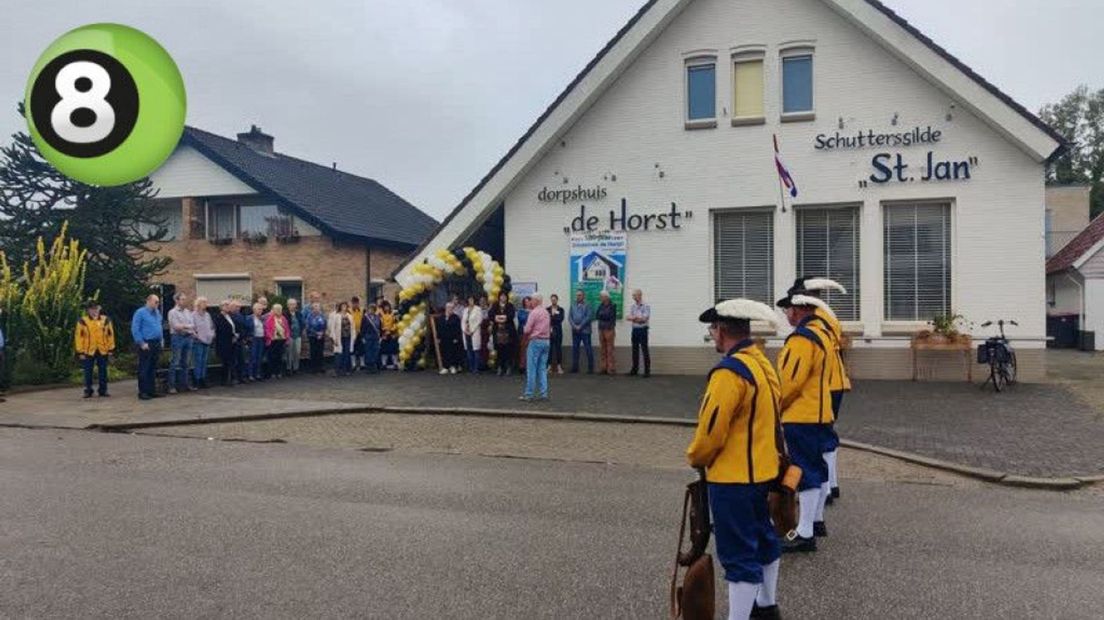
[145, 328]
[580, 317]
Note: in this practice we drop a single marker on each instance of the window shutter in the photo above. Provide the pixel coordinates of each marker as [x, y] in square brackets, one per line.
[743, 255]
[701, 95]
[828, 246]
[749, 89]
[917, 246]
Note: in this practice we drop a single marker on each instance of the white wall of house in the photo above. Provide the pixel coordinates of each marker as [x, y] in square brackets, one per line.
[188, 173]
[635, 132]
[1066, 288]
[1094, 310]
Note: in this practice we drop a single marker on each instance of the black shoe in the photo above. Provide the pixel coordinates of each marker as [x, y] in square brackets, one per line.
[835, 493]
[648, 373]
[105, 395]
[574, 371]
[819, 529]
[144, 397]
[770, 612]
[793, 543]
[88, 394]
[633, 373]
[828, 501]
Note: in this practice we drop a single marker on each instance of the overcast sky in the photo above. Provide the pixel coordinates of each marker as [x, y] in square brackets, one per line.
[426, 95]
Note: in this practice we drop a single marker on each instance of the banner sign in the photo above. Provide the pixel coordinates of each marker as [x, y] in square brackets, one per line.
[597, 264]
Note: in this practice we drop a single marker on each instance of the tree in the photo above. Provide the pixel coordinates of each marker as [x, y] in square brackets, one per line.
[117, 226]
[1079, 116]
[42, 308]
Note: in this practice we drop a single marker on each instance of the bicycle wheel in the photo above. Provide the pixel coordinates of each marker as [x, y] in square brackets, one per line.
[1011, 364]
[995, 373]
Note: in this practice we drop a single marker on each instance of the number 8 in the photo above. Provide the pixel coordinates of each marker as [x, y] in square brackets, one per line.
[72, 100]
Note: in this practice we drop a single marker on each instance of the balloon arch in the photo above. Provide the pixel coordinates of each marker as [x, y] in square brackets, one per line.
[413, 299]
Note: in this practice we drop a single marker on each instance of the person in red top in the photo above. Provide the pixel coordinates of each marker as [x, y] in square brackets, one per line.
[277, 331]
[538, 330]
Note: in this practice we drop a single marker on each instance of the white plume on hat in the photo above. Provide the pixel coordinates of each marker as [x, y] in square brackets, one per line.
[820, 284]
[809, 300]
[747, 309]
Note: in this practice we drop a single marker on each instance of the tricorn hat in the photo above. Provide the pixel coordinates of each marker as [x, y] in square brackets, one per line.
[740, 310]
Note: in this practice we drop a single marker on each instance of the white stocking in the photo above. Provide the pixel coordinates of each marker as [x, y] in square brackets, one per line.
[741, 597]
[768, 590]
[823, 499]
[830, 458]
[808, 501]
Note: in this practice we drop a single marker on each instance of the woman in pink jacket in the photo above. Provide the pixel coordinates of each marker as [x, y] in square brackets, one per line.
[277, 331]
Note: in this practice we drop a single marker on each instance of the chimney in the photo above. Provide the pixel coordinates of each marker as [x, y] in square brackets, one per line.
[258, 141]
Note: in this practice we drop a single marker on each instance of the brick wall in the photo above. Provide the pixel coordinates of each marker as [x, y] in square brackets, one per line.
[337, 271]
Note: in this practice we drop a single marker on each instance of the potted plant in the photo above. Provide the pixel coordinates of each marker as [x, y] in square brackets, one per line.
[946, 329]
[291, 236]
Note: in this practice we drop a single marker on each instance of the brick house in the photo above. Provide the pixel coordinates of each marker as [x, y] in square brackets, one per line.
[244, 219]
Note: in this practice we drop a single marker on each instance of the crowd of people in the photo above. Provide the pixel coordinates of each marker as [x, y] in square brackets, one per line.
[747, 456]
[259, 342]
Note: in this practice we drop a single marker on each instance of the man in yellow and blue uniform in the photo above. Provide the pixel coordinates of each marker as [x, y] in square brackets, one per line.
[735, 442]
[839, 380]
[805, 364]
[839, 383]
[94, 341]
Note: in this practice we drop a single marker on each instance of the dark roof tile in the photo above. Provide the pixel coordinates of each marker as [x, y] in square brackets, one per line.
[342, 205]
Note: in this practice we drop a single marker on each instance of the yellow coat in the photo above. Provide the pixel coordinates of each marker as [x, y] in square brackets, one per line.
[737, 425]
[358, 316]
[94, 336]
[804, 364]
[838, 380]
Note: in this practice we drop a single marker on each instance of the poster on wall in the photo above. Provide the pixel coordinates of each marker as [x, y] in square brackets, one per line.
[522, 290]
[597, 264]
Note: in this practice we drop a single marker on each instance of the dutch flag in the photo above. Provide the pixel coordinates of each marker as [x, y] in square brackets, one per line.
[783, 173]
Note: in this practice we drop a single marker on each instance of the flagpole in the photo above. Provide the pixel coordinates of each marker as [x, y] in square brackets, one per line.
[781, 186]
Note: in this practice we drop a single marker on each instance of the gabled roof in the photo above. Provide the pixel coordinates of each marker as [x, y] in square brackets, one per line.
[341, 205]
[882, 24]
[1080, 248]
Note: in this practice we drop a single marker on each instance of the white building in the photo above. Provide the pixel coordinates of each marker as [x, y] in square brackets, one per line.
[920, 185]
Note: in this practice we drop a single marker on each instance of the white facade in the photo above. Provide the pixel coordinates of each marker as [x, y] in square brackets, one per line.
[634, 140]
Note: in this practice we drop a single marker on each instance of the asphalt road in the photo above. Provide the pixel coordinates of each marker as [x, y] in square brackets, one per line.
[95, 525]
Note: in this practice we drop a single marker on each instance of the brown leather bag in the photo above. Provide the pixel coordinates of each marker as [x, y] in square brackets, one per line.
[695, 598]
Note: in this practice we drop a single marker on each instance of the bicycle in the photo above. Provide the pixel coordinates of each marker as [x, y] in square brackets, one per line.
[998, 353]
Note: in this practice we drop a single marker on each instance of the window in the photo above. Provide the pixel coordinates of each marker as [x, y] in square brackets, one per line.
[701, 91]
[748, 90]
[290, 289]
[797, 84]
[743, 255]
[227, 286]
[828, 246]
[258, 219]
[168, 215]
[917, 245]
[221, 221]
[375, 290]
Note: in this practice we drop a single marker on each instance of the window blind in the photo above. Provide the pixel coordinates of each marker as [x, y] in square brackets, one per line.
[749, 89]
[221, 221]
[828, 246]
[256, 219]
[701, 91]
[917, 247]
[797, 84]
[743, 255]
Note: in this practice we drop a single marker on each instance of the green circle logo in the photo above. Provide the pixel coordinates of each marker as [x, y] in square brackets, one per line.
[105, 104]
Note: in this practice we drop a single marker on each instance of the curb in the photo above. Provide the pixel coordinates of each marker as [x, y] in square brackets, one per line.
[122, 427]
[979, 473]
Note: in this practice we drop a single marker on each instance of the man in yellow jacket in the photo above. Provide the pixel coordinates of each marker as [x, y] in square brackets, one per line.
[94, 341]
[805, 367]
[735, 442]
[839, 382]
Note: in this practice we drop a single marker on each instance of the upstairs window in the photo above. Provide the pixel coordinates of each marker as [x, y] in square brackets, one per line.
[701, 92]
[797, 86]
[747, 96]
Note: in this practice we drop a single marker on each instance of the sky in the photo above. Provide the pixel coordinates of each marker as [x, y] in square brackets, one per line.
[426, 95]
